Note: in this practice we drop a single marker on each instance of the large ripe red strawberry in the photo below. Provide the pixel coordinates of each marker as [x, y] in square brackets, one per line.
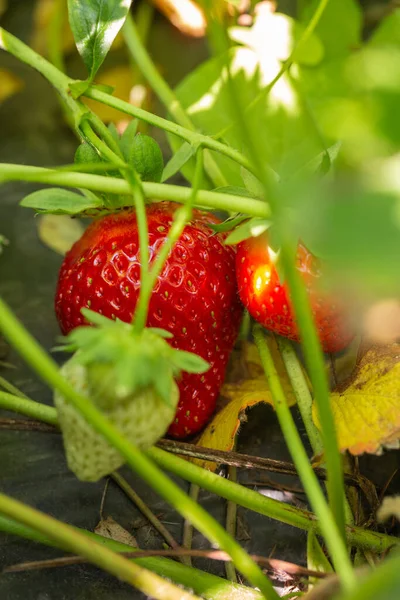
[195, 297]
[268, 301]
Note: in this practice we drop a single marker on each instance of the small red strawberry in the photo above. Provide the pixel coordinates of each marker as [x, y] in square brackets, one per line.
[195, 297]
[267, 299]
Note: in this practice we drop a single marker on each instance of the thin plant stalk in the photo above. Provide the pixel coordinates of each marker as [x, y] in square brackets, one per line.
[182, 216]
[113, 185]
[187, 537]
[73, 541]
[333, 539]
[280, 511]
[142, 60]
[309, 338]
[205, 584]
[38, 359]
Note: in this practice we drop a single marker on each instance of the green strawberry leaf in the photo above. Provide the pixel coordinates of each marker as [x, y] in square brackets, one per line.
[253, 185]
[127, 139]
[189, 362]
[114, 132]
[251, 228]
[58, 201]
[320, 164]
[235, 190]
[167, 335]
[85, 153]
[179, 159]
[146, 158]
[95, 24]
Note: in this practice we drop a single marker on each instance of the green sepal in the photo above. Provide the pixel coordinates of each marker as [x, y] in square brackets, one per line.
[229, 223]
[121, 363]
[251, 228]
[127, 139]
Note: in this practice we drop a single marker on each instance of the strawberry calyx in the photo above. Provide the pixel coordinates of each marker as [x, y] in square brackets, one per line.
[121, 363]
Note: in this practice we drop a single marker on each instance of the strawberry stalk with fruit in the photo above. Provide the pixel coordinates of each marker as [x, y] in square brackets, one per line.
[151, 298]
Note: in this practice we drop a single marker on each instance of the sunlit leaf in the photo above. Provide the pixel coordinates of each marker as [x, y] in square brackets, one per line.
[277, 34]
[10, 84]
[251, 228]
[95, 24]
[367, 410]
[59, 232]
[246, 387]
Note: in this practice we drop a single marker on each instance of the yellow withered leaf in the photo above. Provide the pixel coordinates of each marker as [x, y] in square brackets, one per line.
[10, 84]
[59, 232]
[367, 408]
[246, 387]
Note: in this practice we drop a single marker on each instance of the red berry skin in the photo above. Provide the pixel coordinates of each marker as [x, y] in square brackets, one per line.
[268, 301]
[195, 297]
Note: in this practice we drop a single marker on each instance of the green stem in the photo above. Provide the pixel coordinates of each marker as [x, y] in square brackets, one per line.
[305, 402]
[138, 195]
[333, 539]
[105, 133]
[206, 585]
[231, 520]
[9, 387]
[357, 536]
[142, 59]
[273, 509]
[29, 408]
[315, 362]
[112, 185]
[34, 354]
[73, 541]
[299, 295]
[148, 69]
[181, 217]
[192, 137]
[187, 537]
[101, 146]
[61, 83]
[135, 185]
[301, 391]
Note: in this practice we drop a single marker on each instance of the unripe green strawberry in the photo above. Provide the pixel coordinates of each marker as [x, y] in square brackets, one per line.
[142, 417]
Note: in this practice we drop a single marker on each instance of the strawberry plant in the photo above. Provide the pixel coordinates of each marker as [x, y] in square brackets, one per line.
[289, 133]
